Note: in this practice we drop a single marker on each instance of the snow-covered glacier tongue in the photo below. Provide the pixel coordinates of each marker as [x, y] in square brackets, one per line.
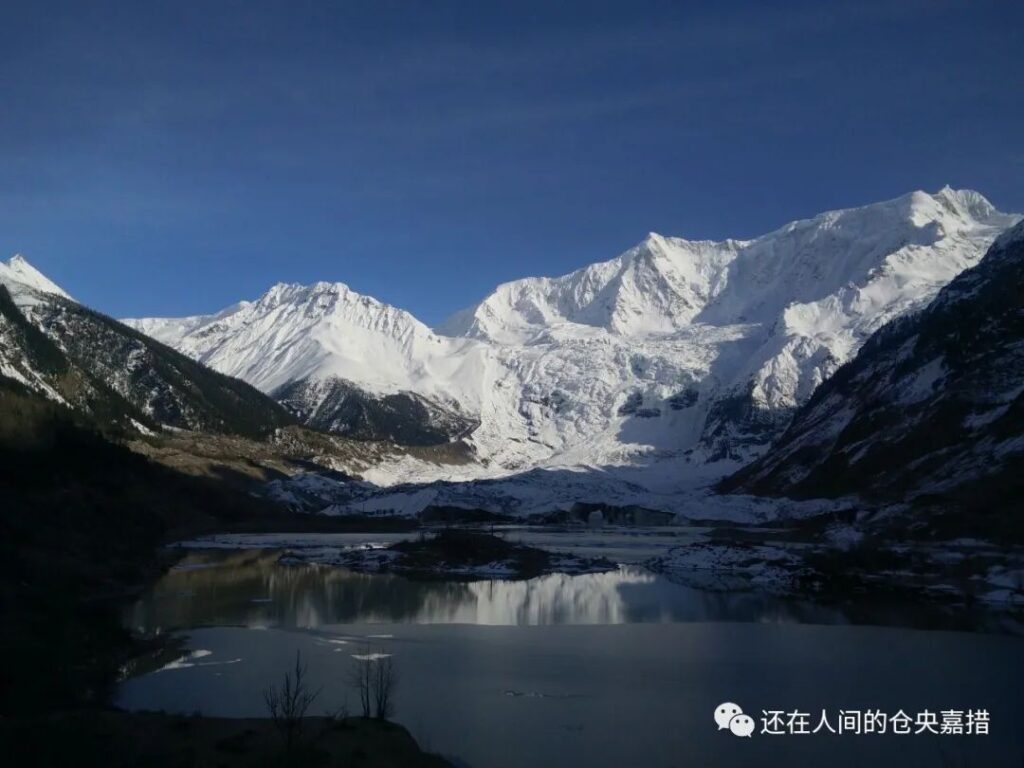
[629, 380]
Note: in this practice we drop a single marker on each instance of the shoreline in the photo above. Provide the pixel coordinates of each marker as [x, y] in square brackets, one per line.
[105, 737]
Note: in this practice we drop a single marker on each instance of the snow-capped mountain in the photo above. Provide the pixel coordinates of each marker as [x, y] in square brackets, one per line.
[657, 287]
[26, 282]
[687, 355]
[54, 347]
[931, 406]
[294, 331]
[326, 350]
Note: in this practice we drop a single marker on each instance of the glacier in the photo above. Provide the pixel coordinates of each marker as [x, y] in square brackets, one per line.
[664, 368]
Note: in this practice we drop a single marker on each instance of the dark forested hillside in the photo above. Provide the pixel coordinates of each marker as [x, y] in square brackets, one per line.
[80, 520]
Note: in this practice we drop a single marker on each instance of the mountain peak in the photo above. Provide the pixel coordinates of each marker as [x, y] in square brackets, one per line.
[314, 330]
[965, 203]
[663, 283]
[325, 299]
[18, 274]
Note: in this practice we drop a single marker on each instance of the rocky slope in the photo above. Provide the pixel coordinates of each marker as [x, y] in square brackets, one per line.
[931, 410]
[53, 346]
[336, 406]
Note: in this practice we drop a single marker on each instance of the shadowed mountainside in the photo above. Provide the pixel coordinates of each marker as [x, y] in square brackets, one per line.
[118, 376]
[930, 411]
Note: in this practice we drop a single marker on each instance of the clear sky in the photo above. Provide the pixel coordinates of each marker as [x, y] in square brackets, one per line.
[174, 158]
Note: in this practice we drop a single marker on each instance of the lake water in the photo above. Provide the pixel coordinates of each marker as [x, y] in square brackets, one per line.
[616, 669]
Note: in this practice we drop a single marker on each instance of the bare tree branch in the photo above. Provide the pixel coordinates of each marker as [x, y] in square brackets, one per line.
[288, 704]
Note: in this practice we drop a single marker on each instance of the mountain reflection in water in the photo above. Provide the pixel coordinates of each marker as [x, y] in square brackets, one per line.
[251, 589]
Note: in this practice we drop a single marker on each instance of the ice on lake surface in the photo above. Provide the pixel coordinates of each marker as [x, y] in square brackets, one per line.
[621, 668]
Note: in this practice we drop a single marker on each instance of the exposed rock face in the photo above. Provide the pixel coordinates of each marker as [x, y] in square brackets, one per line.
[931, 408]
[53, 346]
[337, 406]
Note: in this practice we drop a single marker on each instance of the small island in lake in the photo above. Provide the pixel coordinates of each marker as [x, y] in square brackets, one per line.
[455, 552]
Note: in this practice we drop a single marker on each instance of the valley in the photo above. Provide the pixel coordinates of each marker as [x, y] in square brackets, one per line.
[511, 385]
[832, 446]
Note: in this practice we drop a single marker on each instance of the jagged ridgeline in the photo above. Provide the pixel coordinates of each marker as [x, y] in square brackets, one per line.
[55, 347]
[684, 357]
[930, 410]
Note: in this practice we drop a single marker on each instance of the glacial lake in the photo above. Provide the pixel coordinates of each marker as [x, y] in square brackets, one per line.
[617, 669]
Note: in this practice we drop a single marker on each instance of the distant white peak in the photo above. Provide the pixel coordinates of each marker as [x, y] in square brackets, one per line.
[298, 292]
[919, 215]
[663, 283]
[655, 287]
[974, 203]
[965, 205]
[17, 273]
[665, 242]
[322, 299]
[655, 241]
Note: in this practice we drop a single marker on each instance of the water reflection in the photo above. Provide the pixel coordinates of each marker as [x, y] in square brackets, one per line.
[600, 696]
[250, 589]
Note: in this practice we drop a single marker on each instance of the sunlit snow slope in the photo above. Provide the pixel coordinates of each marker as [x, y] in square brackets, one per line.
[683, 357]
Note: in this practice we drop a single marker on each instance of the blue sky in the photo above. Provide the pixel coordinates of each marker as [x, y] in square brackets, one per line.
[174, 158]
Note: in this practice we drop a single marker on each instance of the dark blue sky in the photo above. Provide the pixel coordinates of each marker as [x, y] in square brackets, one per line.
[173, 158]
